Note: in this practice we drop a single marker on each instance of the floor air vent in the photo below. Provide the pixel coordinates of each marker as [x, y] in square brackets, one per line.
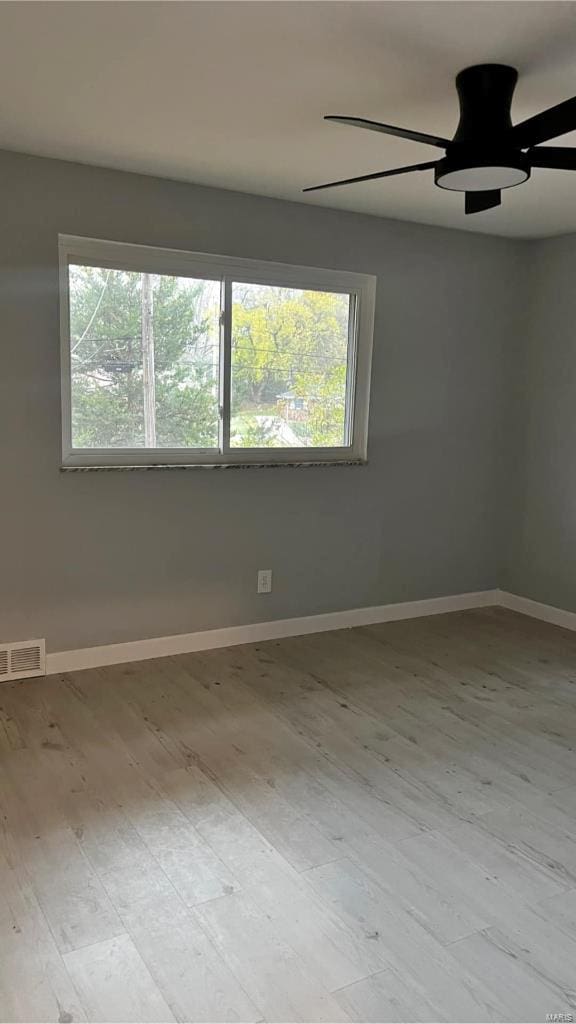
[21, 660]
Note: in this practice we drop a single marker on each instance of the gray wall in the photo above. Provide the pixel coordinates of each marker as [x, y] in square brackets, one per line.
[542, 548]
[97, 558]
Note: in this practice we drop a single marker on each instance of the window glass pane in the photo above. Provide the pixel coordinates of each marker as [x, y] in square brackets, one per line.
[289, 360]
[144, 352]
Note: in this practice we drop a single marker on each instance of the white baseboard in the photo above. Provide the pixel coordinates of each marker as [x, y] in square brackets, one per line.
[186, 643]
[537, 610]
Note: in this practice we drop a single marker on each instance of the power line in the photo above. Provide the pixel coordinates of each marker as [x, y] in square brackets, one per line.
[96, 308]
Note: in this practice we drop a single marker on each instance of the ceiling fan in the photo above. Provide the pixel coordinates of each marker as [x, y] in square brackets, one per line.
[488, 153]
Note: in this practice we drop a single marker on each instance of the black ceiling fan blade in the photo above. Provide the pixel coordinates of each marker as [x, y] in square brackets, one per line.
[475, 202]
[551, 123]
[372, 177]
[389, 129]
[562, 158]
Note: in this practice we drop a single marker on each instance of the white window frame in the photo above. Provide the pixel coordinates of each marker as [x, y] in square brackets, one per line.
[226, 269]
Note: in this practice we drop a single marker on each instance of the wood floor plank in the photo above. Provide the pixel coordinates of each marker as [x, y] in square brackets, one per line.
[543, 947]
[115, 984]
[72, 897]
[560, 911]
[275, 977]
[194, 979]
[34, 982]
[480, 872]
[439, 908]
[546, 844]
[520, 992]
[385, 998]
[70, 893]
[192, 866]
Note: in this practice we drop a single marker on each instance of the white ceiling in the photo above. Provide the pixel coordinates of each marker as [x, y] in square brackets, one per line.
[233, 94]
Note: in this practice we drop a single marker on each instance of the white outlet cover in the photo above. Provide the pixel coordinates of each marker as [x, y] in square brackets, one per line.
[264, 581]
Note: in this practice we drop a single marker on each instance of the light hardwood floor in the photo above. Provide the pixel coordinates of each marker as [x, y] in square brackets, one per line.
[375, 824]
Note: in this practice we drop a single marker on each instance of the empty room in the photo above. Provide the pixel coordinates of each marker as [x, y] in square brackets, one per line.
[288, 512]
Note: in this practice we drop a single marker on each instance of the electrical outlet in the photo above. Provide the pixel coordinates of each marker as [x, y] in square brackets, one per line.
[264, 581]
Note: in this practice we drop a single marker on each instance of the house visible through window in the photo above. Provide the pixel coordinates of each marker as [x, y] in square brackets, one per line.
[173, 357]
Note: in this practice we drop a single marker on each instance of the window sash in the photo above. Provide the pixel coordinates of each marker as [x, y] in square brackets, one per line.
[228, 270]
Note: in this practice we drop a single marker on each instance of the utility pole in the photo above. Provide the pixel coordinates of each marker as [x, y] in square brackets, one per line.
[148, 378]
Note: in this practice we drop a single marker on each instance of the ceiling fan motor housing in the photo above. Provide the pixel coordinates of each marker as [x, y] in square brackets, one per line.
[479, 158]
[485, 93]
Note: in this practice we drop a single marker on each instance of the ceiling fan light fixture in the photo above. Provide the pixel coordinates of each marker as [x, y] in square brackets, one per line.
[481, 174]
